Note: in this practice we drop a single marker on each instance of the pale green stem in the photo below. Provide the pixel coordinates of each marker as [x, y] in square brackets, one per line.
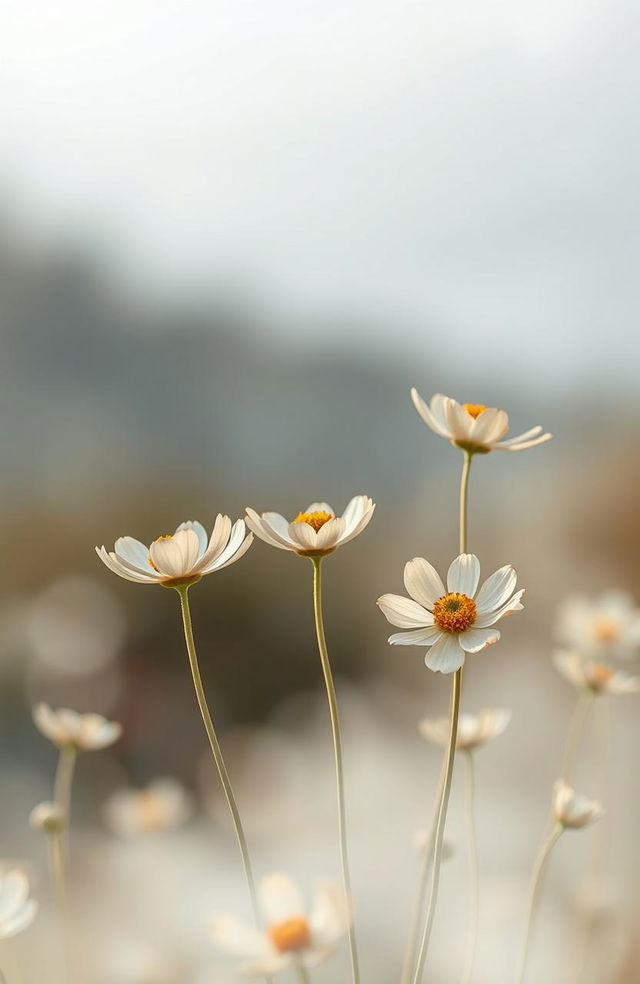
[474, 917]
[576, 726]
[62, 789]
[456, 692]
[337, 753]
[183, 591]
[534, 895]
[303, 975]
[58, 848]
[425, 869]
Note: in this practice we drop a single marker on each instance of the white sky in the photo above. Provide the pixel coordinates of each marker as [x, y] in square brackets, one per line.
[468, 164]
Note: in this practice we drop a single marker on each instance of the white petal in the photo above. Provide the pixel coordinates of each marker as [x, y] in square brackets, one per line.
[446, 656]
[356, 529]
[111, 561]
[473, 640]
[523, 446]
[265, 532]
[267, 966]
[235, 549]
[404, 612]
[20, 921]
[199, 530]
[46, 721]
[417, 637]
[330, 917]
[280, 898]
[490, 618]
[356, 508]
[458, 420]
[177, 556]
[533, 432]
[14, 891]
[320, 507]
[422, 582]
[136, 553]
[463, 574]
[330, 533]
[217, 541]
[489, 426]
[239, 938]
[303, 536]
[428, 415]
[496, 589]
[569, 665]
[278, 526]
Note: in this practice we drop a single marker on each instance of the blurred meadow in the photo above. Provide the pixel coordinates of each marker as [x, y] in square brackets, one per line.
[232, 238]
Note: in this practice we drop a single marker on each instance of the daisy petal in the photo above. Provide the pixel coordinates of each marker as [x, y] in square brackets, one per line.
[404, 612]
[490, 618]
[473, 640]
[496, 589]
[428, 416]
[416, 637]
[199, 530]
[446, 656]
[239, 938]
[463, 574]
[280, 898]
[489, 426]
[422, 582]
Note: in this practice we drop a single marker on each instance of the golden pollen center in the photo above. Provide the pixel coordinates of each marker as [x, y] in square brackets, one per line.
[605, 630]
[598, 675]
[474, 409]
[291, 935]
[314, 519]
[454, 612]
[165, 536]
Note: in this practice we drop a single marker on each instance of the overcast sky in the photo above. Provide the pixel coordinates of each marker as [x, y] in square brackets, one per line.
[465, 164]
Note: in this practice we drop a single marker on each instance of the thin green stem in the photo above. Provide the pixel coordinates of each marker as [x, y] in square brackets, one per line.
[337, 752]
[62, 787]
[576, 727]
[303, 975]
[440, 825]
[534, 896]
[474, 917]
[183, 591]
[456, 693]
[425, 870]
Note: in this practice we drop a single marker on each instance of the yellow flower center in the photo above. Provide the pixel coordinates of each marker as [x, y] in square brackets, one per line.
[605, 630]
[165, 536]
[291, 935]
[474, 409]
[314, 519]
[151, 812]
[454, 612]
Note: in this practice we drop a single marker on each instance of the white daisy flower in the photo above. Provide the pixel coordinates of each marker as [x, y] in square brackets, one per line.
[596, 677]
[178, 558]
[474, 730]
[573, 810]
[474, 427]
[316, 531]
[84, 732]
[605, 626]
[17, 910]
[293, 936]
[452, 621]
[163, 805]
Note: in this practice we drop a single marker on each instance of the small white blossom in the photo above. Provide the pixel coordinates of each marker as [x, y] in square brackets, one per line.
[600, 628]
[573, 810]
[163, 805]
[474, 730]
[596, 677]
[84, 732]
[315, 531]
[17, 910]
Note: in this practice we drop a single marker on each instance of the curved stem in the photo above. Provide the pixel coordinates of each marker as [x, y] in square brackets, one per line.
[62, 786]
[464, 501]
[183, 591]
[440, 825]
[576, 726]
[337, 753]
[467, 973]
[425, 870]
[534, 894]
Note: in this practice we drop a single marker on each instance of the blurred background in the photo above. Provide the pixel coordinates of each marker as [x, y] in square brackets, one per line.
[232, 237]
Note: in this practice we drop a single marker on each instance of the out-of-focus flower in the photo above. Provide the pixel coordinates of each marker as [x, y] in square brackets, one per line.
[17, 910]
[84, 732]
[163, 805]
[452, 621]
[473, 427]
[596, 677]
[573, 810]
[48, 816]
[606, 626]
[293, 935]
[474, 730]
[179, 558]
[316, 531]
[421, 840]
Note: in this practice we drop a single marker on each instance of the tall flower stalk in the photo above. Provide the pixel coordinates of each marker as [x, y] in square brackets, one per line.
[183, 592]
[474, 914]
[539, 868]
[337, 754]
[441, 817]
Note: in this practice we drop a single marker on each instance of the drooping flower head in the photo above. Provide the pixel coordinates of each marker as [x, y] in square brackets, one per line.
[599, 678]
[48, 816]
[17, 910]
[163, 805]
[573, 810]
[474, 730]
[68, 729]
[454, 620]
[316, 531]
[604, 627]
[179, 558]
[474, 427]
[293, 934]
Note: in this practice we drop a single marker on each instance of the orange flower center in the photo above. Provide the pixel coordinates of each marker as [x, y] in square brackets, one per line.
[454, 612]
[605, 630]
[598, 675]
[474, 409]
[165, 536]
[151, 813]
[315, 519]
[291, 935]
